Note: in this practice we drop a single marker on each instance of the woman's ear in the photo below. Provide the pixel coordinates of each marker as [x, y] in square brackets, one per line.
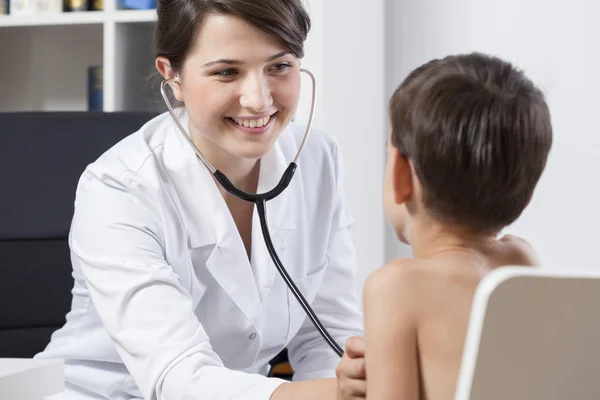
[163, 65]
[401, 177]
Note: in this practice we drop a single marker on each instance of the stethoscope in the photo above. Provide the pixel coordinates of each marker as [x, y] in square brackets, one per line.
[260, 201]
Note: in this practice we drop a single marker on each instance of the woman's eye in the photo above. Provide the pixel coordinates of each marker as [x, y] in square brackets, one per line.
[226, 73]
[281, 67]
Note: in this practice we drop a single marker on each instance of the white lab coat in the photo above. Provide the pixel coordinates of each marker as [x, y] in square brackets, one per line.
[166, 304]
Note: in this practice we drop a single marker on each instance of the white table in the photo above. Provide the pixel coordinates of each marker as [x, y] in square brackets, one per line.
[29, 379]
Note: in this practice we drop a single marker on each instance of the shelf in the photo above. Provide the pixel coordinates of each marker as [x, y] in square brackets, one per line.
[47, 19]
[77, 18]
[48, 65]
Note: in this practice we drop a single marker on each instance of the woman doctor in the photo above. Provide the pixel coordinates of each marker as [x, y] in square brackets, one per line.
[175, 294]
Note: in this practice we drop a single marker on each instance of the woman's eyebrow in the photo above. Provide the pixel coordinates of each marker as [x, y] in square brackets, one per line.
[230, 61]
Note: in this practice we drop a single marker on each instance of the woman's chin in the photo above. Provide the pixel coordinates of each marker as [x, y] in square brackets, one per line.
[256, 149]
[253, 152]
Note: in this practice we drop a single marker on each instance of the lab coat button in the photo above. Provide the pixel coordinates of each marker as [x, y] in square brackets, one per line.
[252, 336]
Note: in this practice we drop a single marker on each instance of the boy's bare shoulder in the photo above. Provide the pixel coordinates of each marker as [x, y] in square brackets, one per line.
[519, 251]
[394, 286]
[401, 278]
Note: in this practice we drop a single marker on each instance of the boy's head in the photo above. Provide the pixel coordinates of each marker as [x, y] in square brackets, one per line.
[470, 136]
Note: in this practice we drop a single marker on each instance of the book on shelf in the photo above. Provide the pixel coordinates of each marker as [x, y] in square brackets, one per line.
[31, 7]
[22, 7]
[84, 5]
[139, 4]
[76, 5]
[4, 7]
[95, 89]
[49, 6]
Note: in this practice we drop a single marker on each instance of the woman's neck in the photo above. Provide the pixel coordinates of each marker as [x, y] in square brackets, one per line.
[242, 172]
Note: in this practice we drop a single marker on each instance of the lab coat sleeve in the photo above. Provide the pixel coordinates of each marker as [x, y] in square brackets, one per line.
[117, 242]
[335, 303]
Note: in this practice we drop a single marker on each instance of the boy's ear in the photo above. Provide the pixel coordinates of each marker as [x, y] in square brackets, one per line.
[401, 177]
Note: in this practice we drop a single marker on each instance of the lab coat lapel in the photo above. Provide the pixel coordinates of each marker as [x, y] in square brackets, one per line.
[209, 223]
[281, 215]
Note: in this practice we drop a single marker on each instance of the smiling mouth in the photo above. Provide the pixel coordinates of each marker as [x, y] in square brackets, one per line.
[252, 123]
[252, 126]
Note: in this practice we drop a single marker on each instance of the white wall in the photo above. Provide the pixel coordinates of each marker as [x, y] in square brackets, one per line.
[354, 106]
[557, 44]
[345, 50]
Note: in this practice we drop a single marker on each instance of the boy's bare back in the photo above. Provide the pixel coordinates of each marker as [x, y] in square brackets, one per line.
[427, 303]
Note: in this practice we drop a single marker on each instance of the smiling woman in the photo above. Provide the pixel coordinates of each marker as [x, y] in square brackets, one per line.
[235, 71]
[175, 293]
[234, 77]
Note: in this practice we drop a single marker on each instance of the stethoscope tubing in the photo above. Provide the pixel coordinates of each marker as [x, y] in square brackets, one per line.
[260, 200]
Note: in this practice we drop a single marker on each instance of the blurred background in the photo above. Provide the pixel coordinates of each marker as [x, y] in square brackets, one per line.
[96, 55]
[363, 50]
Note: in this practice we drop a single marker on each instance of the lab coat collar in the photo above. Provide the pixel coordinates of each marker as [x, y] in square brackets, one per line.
[209, 222]
[200, 196]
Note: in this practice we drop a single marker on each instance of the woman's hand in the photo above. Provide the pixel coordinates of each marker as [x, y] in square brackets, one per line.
[351, 371]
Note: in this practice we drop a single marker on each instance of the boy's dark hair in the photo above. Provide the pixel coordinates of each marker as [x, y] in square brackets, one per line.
[478, 133]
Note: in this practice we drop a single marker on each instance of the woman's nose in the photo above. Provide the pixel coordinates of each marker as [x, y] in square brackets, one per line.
[256, 94]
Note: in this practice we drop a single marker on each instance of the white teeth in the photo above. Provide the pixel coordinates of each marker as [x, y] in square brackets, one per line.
[262, 122]
[252, 123]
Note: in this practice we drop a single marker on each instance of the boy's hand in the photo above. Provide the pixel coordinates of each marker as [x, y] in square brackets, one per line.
[351, 371]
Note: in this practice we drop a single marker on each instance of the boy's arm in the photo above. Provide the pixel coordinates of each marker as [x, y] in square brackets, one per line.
[390, 313]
